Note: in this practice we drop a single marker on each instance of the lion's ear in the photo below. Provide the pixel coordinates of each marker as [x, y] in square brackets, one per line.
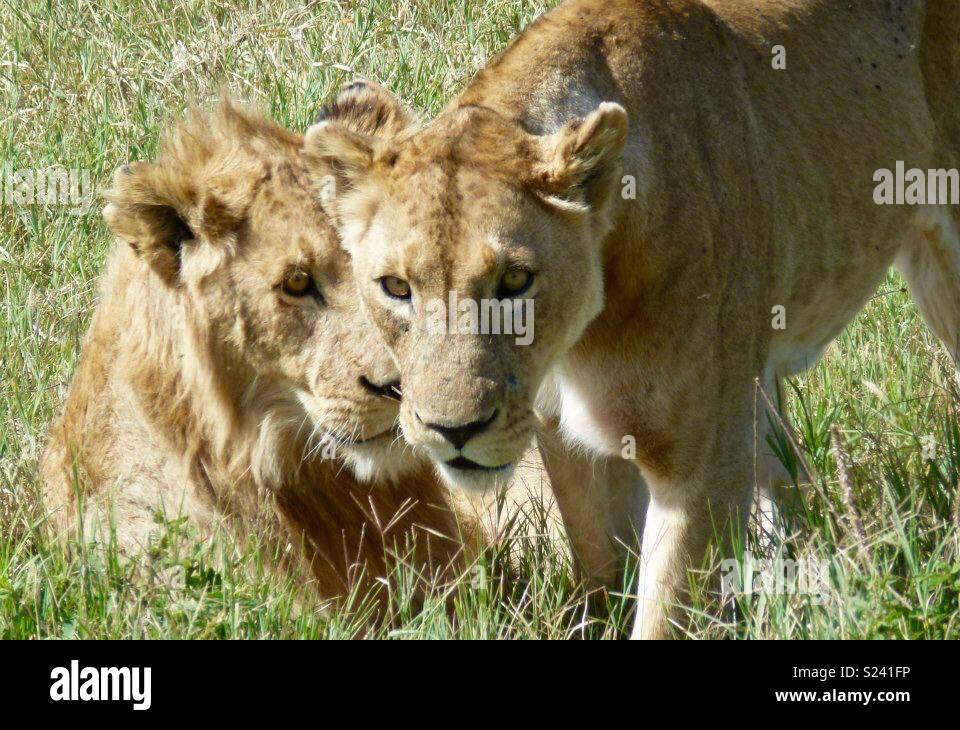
[368, 109]
[158, 212]
[582, 159]
[142, 213]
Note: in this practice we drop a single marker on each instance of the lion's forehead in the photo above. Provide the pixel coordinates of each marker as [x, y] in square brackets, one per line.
[284, 197]
[289, 226]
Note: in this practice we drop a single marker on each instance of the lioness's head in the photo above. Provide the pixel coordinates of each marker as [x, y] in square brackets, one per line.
[229, 221]
[472, 212]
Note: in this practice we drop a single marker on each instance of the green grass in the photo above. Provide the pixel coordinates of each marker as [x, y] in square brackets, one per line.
[89, 85]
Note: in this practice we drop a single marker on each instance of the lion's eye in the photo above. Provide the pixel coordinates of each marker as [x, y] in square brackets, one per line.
[515, 282]
[396, 288]
[297, 283]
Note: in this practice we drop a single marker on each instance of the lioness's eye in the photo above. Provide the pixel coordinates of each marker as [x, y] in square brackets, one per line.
[514, 282]
[396, 288]
[297, 283]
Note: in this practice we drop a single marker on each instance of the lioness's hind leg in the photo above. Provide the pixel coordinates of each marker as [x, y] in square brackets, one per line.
[930, 262]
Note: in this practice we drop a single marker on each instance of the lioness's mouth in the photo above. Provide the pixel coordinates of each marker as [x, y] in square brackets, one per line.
[461, 462]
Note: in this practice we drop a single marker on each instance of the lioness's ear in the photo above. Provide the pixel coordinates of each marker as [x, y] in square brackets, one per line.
[582, 159]
[339, 158]
[158, 212]
[344, 152]
[352, 133]
[368, 109]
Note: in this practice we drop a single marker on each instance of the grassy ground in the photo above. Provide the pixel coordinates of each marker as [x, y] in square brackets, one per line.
[88, 85]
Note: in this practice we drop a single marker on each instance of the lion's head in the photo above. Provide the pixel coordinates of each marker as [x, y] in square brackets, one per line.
[229, 221]
[467, 214]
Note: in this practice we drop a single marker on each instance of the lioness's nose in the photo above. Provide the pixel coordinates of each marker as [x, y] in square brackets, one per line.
[459, 435]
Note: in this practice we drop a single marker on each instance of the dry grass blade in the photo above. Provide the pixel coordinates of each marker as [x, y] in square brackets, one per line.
[844, 468]
[788, 432]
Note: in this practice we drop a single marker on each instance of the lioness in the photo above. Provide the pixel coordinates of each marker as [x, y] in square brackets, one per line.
[661, 190]
[229, 371]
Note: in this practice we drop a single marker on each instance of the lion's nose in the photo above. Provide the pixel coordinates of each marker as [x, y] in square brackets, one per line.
[389, 390]
[459, 435]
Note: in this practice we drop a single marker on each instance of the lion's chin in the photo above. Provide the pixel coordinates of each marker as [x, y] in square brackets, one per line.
[384, 459]
[475, 480]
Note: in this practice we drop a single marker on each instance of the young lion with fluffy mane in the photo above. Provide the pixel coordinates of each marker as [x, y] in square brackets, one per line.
[230, 375]
[229, 371]
[655, 312]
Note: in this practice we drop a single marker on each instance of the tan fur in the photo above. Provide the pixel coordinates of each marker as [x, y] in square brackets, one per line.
[203, 391]
[654, 315]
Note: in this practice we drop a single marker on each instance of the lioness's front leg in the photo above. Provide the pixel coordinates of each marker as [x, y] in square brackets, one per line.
[684, 516]
[603, 503]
